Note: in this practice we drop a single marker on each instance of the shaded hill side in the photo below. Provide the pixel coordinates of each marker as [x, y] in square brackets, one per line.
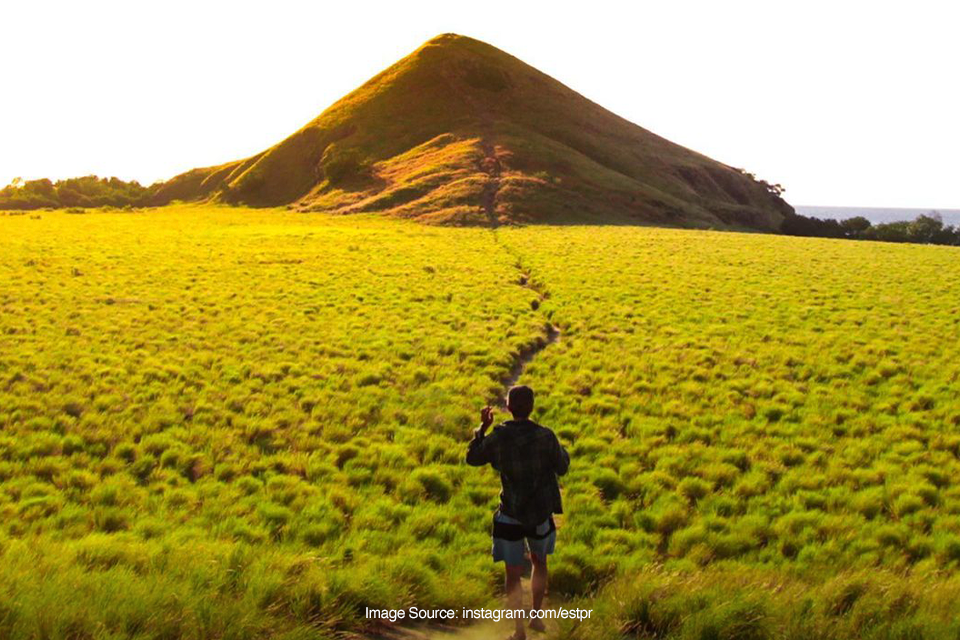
[461, 132]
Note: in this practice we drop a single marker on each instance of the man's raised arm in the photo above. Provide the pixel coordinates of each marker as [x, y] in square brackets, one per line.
[477, 454]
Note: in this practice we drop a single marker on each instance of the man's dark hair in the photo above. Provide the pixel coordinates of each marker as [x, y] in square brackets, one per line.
[520, 401]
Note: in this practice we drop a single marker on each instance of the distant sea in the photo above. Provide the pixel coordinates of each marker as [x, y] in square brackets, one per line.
[877, 215]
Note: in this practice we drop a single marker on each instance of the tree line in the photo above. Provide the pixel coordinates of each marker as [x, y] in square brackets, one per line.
[92, 191]
[88, 191]
[925, 229]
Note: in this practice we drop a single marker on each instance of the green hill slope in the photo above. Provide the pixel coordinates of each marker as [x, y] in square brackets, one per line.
[461, 132]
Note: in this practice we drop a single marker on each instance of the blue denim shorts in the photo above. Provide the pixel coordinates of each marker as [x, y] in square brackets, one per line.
[512, 551]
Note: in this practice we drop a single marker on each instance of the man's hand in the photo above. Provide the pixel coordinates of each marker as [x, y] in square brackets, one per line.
[486, 418]
[477, 452]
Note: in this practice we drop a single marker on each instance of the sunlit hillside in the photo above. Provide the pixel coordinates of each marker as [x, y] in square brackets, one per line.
[459, 132]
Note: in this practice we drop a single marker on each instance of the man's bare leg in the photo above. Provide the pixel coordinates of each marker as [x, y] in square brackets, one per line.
[515, 597]
[538, 584]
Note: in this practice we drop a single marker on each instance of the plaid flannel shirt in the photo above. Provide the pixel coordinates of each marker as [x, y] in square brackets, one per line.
[529, 458]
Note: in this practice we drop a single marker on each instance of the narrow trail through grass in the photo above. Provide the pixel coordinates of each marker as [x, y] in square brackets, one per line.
[490, 629]
[551, 333]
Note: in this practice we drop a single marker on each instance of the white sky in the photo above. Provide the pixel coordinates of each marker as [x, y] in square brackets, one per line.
[844, 103]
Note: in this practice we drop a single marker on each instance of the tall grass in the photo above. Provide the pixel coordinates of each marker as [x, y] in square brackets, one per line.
[222, 422]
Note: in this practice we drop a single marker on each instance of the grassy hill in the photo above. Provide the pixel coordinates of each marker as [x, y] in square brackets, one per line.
[460, 132]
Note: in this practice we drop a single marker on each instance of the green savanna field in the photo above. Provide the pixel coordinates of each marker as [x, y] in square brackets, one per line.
[230, 423]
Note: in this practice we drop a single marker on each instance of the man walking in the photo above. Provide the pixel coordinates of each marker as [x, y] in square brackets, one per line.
[529, 458]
